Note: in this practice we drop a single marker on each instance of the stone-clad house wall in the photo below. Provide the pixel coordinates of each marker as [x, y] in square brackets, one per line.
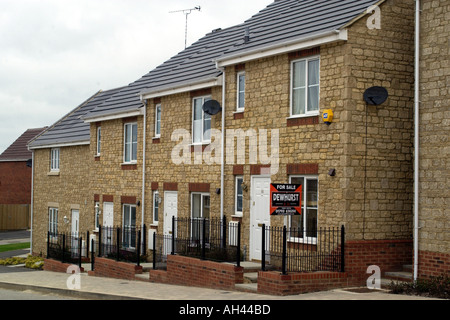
[67, 190]
[110, 179]
[434, 235]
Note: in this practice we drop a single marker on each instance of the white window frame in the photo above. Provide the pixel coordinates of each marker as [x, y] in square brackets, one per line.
[130, 206]
[96, 216]
[155, 209]
[307, 86]
[309, 240]
[158, 121]
[239, 107]
[129, 142]
[99, 140]
[202, 195]
[236, 195]
[204, 115]
[53, 221]
[54, 159]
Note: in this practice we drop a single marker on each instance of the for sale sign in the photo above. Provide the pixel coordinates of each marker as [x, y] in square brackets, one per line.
[285, 199]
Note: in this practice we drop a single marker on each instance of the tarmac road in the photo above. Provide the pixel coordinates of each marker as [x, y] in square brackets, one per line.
[9, 237]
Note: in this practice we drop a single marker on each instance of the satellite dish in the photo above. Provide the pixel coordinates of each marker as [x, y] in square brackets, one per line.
[375, 95]
[212, 107]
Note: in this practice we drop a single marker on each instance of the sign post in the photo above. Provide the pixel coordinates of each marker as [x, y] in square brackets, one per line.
[285, 199]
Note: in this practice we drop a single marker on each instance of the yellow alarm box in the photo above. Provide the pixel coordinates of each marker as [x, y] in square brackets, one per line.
[327, 116]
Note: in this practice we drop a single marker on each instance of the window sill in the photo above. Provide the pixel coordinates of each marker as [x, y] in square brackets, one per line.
[156, 140]
[302, 120]
[129, 166]
[239, 114]
[53, 173]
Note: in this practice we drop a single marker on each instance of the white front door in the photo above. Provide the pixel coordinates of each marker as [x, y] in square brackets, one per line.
[75, 222]
[170, 211]
[259, 213]
[75, 230]
[108, 214]
[108, 222]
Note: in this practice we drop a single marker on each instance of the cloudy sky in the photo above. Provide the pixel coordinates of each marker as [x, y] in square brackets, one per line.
[54, 54]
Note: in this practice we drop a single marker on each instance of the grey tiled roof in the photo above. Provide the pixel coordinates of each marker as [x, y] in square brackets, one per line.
[281, 21]
[71, 128]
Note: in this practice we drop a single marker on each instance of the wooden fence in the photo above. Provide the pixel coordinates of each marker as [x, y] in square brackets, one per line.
[15, 217]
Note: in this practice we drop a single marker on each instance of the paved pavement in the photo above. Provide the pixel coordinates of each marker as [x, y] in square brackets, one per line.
[96, 288]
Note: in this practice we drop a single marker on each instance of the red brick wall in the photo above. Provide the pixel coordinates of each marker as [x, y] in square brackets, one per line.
[389, 255]
[115, 269]
[433, 264]
[197, 273]
[274, 283]
[57, 266]
[15, 183]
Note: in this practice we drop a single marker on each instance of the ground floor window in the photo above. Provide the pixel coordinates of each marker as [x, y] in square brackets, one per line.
[307, 222]
[53, 221]
[155, 207]
[129, 226]
[200, 209]
[239, 195]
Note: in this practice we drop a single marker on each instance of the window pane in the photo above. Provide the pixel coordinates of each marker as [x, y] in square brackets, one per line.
[313, 72]
[127, 152]
[207, 128]
[155, 207]
[126, 215]
[196, 205]
[299, 74]
[134, 133]
[311, 194]
[298, 101]
[206, 207]
[197, 127]
[313, 98]
[198, 109]
[311, 223]
[134, 151]
[239, 195]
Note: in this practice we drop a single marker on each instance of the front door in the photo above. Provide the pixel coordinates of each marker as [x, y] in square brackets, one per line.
[107, 228]
[259, 213]
[170, 211]
[75, 231]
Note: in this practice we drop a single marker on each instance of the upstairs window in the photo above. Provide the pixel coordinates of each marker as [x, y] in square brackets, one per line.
[99, 140]
[305, 87]
[240, 91]
[201, 122]
[158, 121]
[130, 144]
[54, 159]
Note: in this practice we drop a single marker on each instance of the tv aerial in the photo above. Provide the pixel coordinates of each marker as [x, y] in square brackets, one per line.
[186, 12]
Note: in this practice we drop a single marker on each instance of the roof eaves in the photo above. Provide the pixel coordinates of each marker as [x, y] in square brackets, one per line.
[282, 47]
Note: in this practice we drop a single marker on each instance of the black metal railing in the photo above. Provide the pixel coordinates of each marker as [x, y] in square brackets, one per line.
[207, 239]
[121, 243]
[299, 250]
[68, 247]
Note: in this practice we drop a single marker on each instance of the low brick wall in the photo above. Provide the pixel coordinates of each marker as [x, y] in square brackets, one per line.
[57, 266]
[433, 264]
[389, 255]
[275, 283]
[115, 269]
[198, 273]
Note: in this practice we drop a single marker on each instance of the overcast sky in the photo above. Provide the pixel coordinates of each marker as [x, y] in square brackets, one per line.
[54, 54]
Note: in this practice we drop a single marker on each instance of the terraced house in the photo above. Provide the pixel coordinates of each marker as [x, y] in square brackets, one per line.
[206, 133]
